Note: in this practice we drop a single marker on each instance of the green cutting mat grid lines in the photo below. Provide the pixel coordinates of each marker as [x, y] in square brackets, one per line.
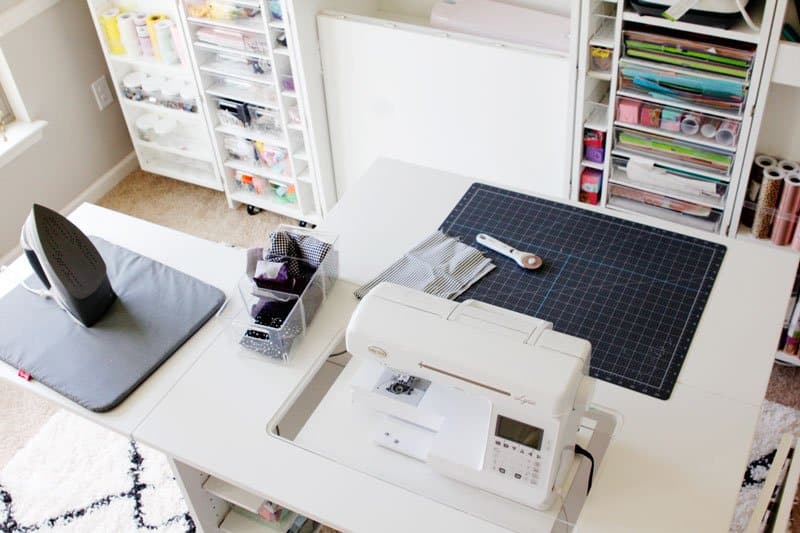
[635, 292]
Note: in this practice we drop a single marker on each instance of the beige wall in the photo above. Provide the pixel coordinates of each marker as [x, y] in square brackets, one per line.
[54, 57]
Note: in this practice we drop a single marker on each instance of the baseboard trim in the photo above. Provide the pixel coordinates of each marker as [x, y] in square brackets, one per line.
[91, 194]
[104, 183]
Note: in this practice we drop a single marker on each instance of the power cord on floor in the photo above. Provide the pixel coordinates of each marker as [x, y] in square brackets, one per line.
[580, 450]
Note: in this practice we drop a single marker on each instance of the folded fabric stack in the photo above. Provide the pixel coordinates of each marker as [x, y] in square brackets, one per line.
[281, 273]
[439, 265]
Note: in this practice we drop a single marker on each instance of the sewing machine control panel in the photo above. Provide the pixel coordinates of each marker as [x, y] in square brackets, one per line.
[515, 450]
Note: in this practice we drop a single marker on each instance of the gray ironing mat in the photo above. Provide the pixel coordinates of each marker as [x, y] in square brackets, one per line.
[635, 292]
[157, 310]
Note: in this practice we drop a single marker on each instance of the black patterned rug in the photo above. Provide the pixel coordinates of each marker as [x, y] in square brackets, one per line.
[76, 476]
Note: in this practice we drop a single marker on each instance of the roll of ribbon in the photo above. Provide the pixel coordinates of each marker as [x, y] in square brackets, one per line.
[690, 124]
[108, 22]
[768, 198]
[166, 46]
[786, 218]
[142, 34]
[709, 128]
[151, 31]
[727, 133]
[127, 32]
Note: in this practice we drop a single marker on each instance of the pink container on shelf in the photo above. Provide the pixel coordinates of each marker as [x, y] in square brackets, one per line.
[628, 110]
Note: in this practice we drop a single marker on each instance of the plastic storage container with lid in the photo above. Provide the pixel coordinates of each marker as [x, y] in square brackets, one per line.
[164, 129]
[145, 126]
[132, 85]
[189, 98]
[151, 89]
[171, 94]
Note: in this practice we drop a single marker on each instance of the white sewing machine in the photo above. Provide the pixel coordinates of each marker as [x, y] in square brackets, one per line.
[484, 395]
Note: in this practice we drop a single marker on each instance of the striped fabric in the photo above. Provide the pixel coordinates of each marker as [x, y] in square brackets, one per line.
[439, 265]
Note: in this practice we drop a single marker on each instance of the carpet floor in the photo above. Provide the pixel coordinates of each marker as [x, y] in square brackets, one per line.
[205, 213]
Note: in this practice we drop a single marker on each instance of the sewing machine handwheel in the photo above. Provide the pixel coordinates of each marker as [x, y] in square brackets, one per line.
[253, 210]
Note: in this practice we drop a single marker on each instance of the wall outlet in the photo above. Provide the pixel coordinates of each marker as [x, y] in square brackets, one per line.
[102, 92]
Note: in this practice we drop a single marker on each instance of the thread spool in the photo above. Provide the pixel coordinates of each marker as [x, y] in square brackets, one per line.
[127, 32]
[709, 128]
[142, 34]
[771, 184]
[727, 133]
[785, 221]
[151, 31]
[108, 22]
[166, 46]
[690, 124]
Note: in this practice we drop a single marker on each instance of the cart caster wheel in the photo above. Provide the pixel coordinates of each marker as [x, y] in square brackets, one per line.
[304, 224]
[253, 210]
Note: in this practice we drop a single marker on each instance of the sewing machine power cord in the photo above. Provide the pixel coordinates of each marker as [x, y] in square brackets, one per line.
[580, 450]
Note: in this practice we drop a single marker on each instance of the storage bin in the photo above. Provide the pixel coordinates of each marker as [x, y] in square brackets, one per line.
[650, 80]
[600, 58]
[239, 149]
[664, 207]
[691, 125]
[273, 158]
[672, 150]
[232, 113]
[277, 312]
[264, 120]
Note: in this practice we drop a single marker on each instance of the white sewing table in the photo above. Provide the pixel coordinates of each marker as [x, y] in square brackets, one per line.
[672, 465]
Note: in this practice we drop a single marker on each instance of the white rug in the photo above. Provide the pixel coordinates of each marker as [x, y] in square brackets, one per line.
[775, 420]
[74, 476]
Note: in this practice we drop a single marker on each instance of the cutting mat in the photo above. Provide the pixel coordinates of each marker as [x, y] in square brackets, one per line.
[635, 292]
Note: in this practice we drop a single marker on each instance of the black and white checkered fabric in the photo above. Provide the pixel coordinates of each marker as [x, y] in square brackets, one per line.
[287, 247]
[439, 265]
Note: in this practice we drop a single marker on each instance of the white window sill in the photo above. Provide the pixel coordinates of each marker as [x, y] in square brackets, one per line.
[21, 136]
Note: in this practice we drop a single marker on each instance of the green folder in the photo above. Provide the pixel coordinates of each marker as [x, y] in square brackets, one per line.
[689, 63]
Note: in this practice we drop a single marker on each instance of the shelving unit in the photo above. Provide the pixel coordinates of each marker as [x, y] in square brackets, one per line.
[242, 515]
[240, 79]
[180, 156]
[598, 97]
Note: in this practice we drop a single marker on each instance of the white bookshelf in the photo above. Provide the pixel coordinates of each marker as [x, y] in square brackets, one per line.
[598, 96]
[186, 154]
[257, 76]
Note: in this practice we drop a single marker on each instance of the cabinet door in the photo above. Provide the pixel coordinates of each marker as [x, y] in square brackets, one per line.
[501, 115]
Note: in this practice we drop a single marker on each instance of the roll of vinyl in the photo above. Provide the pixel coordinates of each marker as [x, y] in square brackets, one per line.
[142, 34]
[709, 128]
[151, 31]
[166, 46]
[690, 124]
[768, 198]
[727, 132]
[788, 166]
[786, 218]
[127, 32]
[754, 187]
[179, 46]
[108, 22]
